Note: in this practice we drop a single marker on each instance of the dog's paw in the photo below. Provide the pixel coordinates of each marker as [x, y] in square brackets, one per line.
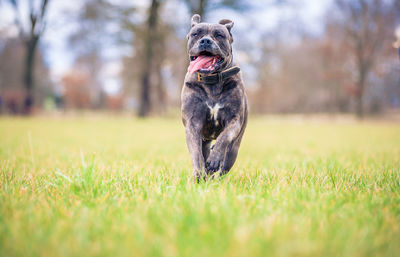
[213, 163]
[196, 177]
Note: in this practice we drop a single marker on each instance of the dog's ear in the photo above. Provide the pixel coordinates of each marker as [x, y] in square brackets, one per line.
[195, 20]
[227, 23]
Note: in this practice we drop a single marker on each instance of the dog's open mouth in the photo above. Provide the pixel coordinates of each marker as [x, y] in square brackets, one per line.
[204, 62]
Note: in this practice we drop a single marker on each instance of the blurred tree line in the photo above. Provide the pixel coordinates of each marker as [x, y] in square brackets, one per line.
[351, 66]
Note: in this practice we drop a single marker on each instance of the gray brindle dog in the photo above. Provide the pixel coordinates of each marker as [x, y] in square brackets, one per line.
[214, 103]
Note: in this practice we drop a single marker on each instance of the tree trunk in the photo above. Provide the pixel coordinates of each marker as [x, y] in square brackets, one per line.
[144, 107]
[360, 93]
[31, 45]
[161, 94]
[31, 38]
[145, 99]
[200, 8]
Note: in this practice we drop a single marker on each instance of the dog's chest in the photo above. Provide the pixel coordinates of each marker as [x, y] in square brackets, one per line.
[213, 111]
[214, 121]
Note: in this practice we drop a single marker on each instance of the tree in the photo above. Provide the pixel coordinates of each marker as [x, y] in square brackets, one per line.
[365, 25]
[141, 73]
[77, 89]
[197, 6]
[90, 41]
[31, 35]
[202, 7]
[149, 54]
[12, 89]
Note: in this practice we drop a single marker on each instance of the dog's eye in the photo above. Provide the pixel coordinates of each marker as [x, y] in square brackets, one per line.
[195, 34]
[219, 35]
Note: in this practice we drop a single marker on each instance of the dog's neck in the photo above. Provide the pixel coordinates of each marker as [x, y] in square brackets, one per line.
[217, 77]
[213, 90]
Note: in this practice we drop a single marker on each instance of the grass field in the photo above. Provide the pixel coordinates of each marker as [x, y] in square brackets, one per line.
[117, 186]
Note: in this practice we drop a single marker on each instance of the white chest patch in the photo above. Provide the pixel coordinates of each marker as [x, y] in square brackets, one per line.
[214, 112]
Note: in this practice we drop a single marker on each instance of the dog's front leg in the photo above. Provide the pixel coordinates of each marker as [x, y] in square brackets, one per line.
[216, 158]
[194, 143]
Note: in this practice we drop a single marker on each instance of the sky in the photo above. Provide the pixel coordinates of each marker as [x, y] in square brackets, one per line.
[261, 17]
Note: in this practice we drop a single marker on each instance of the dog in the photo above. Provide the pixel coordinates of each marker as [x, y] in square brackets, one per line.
[213, 100]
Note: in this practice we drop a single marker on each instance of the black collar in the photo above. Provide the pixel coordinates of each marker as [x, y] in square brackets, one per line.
[218, 77]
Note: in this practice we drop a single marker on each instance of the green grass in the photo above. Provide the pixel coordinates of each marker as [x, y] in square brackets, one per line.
[109, 186]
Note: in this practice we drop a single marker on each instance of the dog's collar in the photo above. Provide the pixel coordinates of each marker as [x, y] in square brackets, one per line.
[218, 77]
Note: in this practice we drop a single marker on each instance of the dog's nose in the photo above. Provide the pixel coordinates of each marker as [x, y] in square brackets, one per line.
[205, 42]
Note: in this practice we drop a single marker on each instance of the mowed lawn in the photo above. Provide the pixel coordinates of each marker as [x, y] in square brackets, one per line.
[119, 186]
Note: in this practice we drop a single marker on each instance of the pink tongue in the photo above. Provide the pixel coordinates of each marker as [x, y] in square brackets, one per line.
[201, 62]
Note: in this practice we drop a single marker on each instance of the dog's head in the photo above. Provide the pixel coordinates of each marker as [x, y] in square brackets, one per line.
[209, 45]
